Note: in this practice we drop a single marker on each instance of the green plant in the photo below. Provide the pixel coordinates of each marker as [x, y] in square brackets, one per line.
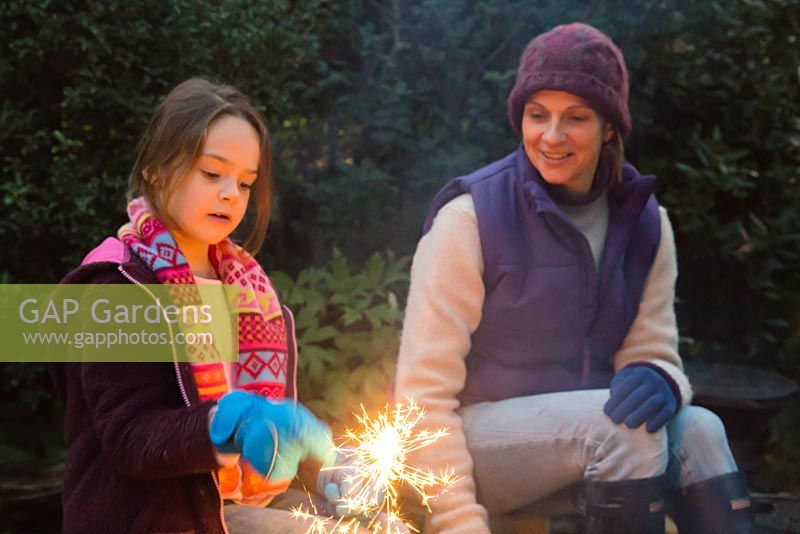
[79, 86]
[31, 399]
[347, 327]
[721, 131]
[737, 251]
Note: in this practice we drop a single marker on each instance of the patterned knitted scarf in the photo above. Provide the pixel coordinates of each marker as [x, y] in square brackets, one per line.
[263, 345]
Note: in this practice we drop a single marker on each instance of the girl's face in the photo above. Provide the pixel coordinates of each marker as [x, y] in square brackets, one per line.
[562, 137]
[211, 200]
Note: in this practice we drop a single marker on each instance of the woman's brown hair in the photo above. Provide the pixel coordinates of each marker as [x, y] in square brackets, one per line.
[611, 158]
[174, 139]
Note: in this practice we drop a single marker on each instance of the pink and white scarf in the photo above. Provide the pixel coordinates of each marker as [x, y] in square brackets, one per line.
[263, 344]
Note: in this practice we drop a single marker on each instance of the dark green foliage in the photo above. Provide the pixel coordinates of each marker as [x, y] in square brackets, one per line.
[347, 332]
[31, 426]
[79, 83]
[728, 120]
[373, 105]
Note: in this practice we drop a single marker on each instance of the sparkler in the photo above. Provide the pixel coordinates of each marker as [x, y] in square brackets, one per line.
[318, 524]
[376, 469]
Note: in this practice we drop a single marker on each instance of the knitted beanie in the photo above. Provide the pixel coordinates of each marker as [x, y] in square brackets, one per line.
[578, 59]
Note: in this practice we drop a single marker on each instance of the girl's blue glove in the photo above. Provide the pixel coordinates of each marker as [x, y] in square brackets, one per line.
[273, 436]
[640, 394]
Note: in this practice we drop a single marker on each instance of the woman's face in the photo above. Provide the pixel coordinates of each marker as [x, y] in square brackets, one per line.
[563, 136]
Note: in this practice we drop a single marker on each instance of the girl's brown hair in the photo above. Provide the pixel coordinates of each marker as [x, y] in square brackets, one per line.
[174, 139]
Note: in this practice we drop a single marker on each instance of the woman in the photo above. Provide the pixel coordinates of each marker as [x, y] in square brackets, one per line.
[540, 326]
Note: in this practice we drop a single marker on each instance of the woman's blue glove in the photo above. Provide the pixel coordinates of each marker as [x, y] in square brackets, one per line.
[273, 436]
[640, 394]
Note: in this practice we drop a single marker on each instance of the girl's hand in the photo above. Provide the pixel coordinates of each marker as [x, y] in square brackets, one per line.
[273, 436]
[639, 394]
[341, 483]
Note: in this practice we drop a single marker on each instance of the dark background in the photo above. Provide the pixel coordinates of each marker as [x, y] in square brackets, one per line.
[372, 106]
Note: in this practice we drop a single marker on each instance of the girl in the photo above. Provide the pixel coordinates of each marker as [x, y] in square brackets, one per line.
[156, 447]
[540, 326]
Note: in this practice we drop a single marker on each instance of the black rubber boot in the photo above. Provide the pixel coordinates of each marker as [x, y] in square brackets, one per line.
[626, 507]
[719, 505]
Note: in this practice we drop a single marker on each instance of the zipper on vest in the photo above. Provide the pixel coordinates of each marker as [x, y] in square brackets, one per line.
[182, 388]
[586, 361]
[591, 281]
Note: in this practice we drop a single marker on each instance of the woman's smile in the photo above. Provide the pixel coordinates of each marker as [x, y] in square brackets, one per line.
[555, 156]
[563, 136]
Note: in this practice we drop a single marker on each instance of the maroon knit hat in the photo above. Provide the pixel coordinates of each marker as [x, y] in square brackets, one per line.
[578, 59]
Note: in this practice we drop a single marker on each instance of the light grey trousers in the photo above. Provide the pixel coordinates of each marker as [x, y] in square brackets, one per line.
[526, 448]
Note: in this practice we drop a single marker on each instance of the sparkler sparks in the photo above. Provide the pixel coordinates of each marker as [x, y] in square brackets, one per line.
[375, 470]
[318, 524]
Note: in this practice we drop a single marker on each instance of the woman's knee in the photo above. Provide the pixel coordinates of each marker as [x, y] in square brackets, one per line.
[628, 453]
[694, 426]
[699, 447]
[639, 441]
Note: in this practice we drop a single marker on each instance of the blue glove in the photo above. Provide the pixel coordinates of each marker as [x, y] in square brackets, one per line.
[273, 436]
[640, 394]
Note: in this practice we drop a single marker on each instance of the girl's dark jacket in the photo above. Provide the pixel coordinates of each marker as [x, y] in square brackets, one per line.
[139, 458]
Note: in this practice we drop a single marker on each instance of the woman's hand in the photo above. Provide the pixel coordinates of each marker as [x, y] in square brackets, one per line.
[639, 394]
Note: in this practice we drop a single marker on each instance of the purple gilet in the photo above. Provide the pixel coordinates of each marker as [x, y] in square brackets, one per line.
[550, 320]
